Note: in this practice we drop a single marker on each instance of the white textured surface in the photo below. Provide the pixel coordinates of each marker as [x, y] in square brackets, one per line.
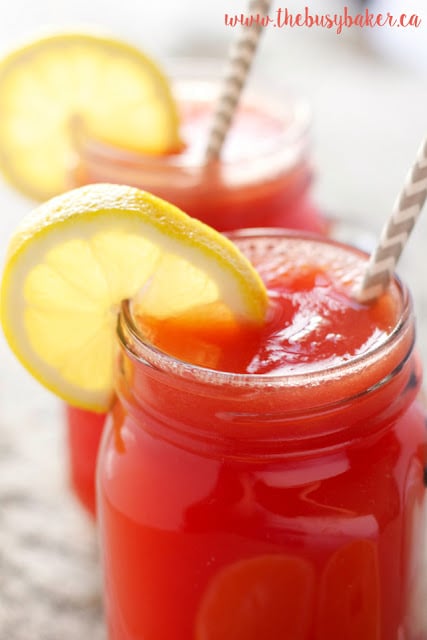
[369, 120]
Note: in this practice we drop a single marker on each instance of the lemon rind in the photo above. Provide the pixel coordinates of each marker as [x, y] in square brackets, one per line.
[106, 204]
[97, 42]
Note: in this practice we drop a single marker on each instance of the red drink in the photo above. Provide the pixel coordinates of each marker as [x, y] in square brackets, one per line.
[84, 434]
[285, 501]
[263, 179]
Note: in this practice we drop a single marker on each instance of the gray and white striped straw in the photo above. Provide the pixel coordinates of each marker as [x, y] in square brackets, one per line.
[239, 64]
[396, 231]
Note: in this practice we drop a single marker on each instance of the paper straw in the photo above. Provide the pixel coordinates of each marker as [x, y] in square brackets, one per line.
[239, 64]
[396, 231]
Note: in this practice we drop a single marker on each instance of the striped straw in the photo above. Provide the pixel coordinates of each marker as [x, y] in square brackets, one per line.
[239, 64]
[396, 231]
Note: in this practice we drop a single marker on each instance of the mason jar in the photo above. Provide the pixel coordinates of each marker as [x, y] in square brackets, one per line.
[249, 507]
[263, 179]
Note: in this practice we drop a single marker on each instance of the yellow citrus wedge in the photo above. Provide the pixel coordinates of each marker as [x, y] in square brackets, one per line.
[76, 257]
[118, 93]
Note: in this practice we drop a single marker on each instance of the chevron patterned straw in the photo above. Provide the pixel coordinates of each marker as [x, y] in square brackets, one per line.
[239, 64]
[396, 231]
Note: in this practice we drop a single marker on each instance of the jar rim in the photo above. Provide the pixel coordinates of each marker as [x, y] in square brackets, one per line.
[134, 344]
[287, 151]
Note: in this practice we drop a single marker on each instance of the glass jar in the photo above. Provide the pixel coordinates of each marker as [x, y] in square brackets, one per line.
[83, 434]
[263, 180]
[251, 507]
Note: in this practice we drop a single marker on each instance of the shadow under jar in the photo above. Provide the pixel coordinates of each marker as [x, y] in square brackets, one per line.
[251, 506]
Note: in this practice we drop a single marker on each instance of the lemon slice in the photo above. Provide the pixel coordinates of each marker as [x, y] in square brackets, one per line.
[76, 257]
[118, 93]
[266, 596]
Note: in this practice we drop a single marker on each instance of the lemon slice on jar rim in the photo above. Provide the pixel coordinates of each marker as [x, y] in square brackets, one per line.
[121, 97]
[73, 260]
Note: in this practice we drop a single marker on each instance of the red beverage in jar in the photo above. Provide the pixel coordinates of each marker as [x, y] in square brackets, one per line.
[277, 492]
[263, 179]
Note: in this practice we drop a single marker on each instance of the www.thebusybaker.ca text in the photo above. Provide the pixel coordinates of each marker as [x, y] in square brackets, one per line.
[338, 21]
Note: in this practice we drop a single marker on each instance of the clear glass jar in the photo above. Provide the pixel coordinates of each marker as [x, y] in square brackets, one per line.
[263, 180]
[254, 507]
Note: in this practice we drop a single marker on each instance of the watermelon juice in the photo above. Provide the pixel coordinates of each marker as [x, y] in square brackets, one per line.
[277, 492]
[263, 180]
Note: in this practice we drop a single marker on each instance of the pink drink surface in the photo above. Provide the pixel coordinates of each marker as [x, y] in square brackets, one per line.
[252, 134]
[313, 321]
[262, 179]
[288, 514]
